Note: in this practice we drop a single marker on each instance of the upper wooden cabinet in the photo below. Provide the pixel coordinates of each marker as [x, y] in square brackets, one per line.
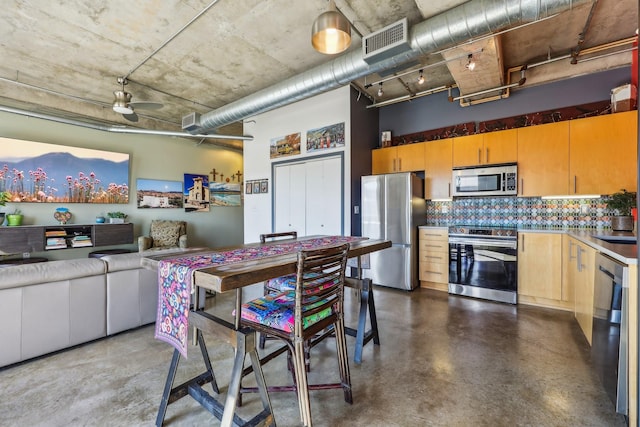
[486, 149]
[603, 154]
[402, 158]
[438, 159]
[543, 160]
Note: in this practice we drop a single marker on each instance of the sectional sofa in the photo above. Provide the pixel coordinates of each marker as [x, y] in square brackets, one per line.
[50, 306]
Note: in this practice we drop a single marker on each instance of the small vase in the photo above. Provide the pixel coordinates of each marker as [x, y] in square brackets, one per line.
[1, 218]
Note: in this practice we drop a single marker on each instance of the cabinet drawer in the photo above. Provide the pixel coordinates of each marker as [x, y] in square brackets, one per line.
[431, 234]
[434, 257]
[434, 272]
[434, 246]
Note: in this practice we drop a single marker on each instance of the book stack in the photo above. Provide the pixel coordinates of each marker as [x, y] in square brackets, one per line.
[56, 243]
[81, 241]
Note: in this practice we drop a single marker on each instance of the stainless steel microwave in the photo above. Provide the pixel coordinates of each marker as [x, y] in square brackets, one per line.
[494, 180]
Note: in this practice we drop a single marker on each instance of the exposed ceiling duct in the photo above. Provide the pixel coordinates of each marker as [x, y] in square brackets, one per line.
[133, 131]
[468, 21]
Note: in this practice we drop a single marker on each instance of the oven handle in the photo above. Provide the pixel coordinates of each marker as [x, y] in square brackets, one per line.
[513, 244]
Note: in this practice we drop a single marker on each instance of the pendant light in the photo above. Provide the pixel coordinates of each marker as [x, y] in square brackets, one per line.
[331, 31]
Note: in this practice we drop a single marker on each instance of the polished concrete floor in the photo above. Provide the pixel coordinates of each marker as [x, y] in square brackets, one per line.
[443, 361]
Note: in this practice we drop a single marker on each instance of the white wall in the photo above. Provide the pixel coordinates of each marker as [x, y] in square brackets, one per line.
[321, 110]
[151, 157]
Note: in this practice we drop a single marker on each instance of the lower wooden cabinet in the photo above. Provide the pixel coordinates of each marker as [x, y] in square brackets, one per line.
[582, 276]
[433, 256]
[541, 279]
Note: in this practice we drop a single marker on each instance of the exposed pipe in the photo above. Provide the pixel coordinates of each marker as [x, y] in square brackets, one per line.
[410, 97]
[117, 129]
[473, 19]
[583, 34]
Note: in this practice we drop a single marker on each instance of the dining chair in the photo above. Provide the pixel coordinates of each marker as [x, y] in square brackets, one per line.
[297, 316]
[278, 284]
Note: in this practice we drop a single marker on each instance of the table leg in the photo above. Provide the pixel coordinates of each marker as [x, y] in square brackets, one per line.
[246, 344]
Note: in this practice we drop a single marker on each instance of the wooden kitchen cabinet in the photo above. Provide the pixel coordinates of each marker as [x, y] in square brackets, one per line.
[403, 158]
[438, 159]
[603, 154]
[543, 160]
[486, 149]
[540, 267]
[433, 258]
[581, 274]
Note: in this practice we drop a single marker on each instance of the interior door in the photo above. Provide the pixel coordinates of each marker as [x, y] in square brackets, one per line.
[324, 196]
[289, 198]
[308, 197]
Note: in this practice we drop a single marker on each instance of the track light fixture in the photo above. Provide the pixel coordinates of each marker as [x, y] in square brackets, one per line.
[421, 77]
[331, 31]
[380, 91]
[471, 64]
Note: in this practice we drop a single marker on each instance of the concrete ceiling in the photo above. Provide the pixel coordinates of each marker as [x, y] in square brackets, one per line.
[63, 58]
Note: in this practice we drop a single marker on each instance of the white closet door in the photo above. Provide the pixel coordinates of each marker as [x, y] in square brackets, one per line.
[289, 208]
[324, 196]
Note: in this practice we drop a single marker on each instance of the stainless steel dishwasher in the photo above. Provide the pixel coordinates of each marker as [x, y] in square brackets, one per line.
[610, 339]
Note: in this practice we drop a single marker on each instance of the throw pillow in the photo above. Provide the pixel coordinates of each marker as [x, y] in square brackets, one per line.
[165, 234]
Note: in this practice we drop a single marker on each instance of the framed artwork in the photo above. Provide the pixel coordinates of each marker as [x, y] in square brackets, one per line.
[331, 136]
[196, 193]
[49, 173]
[225, 194]
[154, 193]
[287, 145]
[264, 186]
[248, 188]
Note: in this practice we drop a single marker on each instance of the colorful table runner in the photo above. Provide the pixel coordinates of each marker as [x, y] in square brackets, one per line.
[175, 281]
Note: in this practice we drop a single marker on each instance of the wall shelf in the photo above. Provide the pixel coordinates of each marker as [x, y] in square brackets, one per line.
[37, 238]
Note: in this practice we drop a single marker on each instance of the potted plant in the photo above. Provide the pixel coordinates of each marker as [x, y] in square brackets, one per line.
[5, 197]
[15, 218]
[116, 217]
[622, 203]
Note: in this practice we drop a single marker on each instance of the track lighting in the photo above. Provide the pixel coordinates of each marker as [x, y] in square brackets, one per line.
[471, 64]
[421, 78]
[380, 91]
[331, 31]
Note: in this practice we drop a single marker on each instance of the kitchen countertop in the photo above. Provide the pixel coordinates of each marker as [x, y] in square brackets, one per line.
[627, 254]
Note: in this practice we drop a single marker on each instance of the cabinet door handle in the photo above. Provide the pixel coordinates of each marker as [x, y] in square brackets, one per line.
[394, 165]
[575, 184]
[399, 165]
[479, 156]
[449, 189]
[521, 186]
[571, 256]
[522, 243]
[487, 156]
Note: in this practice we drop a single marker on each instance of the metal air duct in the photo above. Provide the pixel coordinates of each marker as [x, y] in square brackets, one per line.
[453, 27]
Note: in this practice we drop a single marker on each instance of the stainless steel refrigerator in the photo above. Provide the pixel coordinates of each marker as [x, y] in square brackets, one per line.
[393, 207]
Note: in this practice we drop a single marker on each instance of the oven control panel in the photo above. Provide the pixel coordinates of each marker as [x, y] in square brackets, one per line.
[484, 231]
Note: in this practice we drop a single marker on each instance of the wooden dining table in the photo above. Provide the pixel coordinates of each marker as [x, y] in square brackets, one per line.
[226, 277]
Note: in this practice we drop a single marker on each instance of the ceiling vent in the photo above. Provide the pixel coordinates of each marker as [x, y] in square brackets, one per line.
[191, 122]
[386, 42]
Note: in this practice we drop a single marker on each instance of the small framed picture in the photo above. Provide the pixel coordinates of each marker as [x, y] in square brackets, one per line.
[248, 187]
[264, 186]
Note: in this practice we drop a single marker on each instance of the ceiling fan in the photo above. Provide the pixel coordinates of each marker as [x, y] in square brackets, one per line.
[122, 103]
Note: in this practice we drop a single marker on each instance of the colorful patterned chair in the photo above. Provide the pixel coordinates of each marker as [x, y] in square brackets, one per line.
[164, 234]
[297, 317]
[279, 284]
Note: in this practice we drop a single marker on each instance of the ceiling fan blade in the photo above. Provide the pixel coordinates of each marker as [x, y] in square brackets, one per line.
[146, 105]
[133, 117]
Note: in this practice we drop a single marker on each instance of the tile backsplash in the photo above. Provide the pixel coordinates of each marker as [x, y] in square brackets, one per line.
[521, 212]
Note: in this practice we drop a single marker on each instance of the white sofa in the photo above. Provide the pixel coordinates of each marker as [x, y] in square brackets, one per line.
[49, 306]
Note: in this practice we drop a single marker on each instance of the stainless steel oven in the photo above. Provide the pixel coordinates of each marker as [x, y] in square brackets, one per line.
[483, 263]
